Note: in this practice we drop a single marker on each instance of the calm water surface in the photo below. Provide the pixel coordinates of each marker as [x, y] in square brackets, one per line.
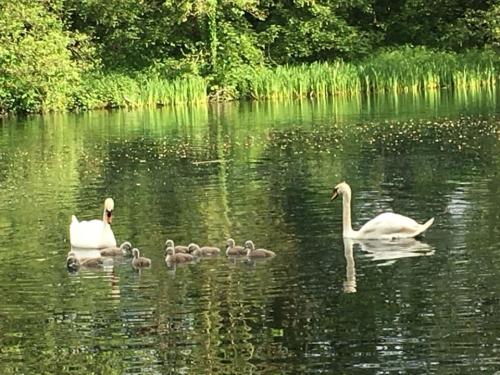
[262, 172]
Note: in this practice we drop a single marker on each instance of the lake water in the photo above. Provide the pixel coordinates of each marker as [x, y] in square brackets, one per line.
[264, 172]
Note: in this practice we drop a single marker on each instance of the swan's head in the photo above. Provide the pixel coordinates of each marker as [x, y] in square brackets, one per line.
[249, 245]
[169, 243]
[230, 242]
[135, 252]
[109, 206]
[340, 189]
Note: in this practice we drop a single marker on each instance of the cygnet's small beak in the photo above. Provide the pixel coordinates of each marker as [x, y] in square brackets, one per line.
[335, 194]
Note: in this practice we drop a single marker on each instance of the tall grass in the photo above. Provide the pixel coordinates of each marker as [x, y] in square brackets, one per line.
[401, 70]
[417, 69]
[121, 91]
[314, 80]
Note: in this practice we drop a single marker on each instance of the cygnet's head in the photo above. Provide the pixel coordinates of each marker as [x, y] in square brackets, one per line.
[230, 242]
[72, 261]
[126, 247]
[249, 245]
[169, 251]
[136, 253]
[193, 247]
[169, 243]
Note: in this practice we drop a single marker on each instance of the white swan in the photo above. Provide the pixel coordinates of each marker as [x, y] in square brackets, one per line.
[93, 234]
[387, 225]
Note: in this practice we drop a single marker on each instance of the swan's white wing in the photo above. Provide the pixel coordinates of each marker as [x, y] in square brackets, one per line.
[390, 225]
[94, 234]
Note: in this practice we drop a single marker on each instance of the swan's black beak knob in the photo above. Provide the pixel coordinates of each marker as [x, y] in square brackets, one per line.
[335, 194]
[109, 216]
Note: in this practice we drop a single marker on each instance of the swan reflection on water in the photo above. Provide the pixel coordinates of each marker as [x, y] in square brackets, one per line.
[385, 251]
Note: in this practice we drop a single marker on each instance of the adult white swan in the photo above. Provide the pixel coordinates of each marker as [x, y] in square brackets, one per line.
[387, 225]
[93, 234]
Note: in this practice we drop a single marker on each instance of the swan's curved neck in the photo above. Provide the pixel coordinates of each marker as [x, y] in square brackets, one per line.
[346, 216]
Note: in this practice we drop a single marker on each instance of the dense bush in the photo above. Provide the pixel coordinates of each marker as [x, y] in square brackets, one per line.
[37, 72]
[74, 54]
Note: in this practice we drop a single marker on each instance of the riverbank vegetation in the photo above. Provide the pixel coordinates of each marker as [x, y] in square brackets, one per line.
[72, 54]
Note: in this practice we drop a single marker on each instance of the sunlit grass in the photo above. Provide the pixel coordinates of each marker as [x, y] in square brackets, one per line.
[419, 69]
[402, 70]
[291, 82]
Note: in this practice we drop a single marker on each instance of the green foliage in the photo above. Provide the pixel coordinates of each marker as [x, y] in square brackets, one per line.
[120, 29]
[237, 45]
[492, 26]
[104, 91]
[233, 49]
[446, 24]
[307, 31]
[36, 69]
[212, 37]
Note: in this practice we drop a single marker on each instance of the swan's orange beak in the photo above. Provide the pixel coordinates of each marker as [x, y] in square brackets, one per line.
[109, 216]
[335, 194]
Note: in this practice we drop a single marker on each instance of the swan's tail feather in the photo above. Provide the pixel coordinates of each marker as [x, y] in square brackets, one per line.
[425, 226]
[74, 220]
[428, 223]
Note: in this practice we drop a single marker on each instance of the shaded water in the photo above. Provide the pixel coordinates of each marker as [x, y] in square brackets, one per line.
[262, 172]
